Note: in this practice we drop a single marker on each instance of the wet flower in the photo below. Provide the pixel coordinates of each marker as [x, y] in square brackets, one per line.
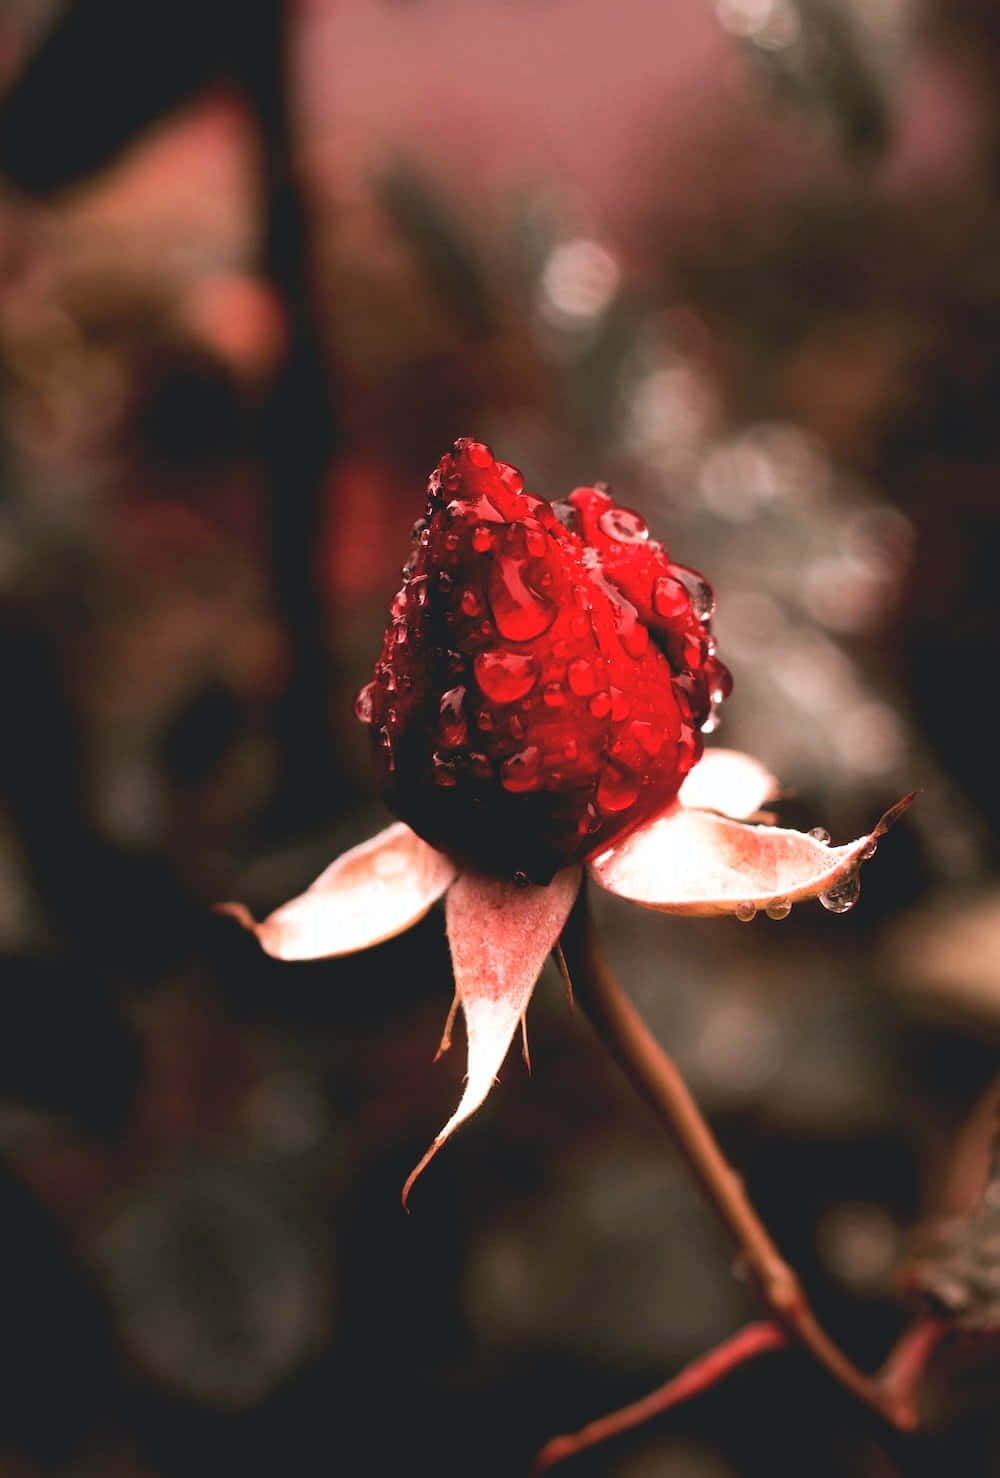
[536, 715]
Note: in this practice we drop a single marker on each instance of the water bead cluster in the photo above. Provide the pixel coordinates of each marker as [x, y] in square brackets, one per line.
[547, 654]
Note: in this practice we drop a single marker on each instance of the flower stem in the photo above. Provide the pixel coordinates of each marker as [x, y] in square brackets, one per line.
[700, 1375]
[654, 1074]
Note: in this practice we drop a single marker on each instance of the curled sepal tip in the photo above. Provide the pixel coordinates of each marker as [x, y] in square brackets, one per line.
[693, 862]
[369, 894]
[500, 935]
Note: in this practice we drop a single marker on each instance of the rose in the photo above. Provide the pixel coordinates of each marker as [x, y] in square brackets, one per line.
[544, 676]
[538, 706]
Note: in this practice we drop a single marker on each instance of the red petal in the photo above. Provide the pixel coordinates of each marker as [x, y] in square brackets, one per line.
[372, 892]
[691, 862]
[500, 935]
[726, 780]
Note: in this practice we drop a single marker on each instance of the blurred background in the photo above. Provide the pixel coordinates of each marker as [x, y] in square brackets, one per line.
[260, 263]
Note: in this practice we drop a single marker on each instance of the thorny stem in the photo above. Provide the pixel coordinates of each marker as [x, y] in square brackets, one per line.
[654, 1074]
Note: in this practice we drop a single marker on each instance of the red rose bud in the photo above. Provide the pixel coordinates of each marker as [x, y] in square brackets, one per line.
[545, 675]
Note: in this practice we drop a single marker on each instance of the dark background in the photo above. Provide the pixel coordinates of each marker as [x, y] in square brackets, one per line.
[259, 265]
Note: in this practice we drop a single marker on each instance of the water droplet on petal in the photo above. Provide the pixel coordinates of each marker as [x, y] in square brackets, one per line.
[479, 454]
[510, 477]
[469, 601]
[535, 542]
[482, 539]
[505, 676]
[620, 705]
[453, 728]
[701, 593]
[820, 834]
[363, 704]
[616, 792]
[600, 705]
[443, 770]
[843, 895]
[521, 771]
[582, 677]
[711, 723]
[554, 695]
[745, 912]
[670, 599]
[623, 525]
[778, 908]
[520, 613]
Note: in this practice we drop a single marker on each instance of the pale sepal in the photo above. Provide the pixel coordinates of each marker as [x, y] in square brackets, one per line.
[728, 781]
[369, 894]
[500, 936]
[692, 862]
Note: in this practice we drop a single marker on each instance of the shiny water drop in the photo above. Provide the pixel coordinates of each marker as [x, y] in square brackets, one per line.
[387, 678]
[445, 581]
[692, 651]
[571, 749]
[650, 737]
[443, 771]
[484, 719]
[711, 723]
[554, 695]
[401, 634]
[600, 705]
[670, 599]
[583, 677]
[621, 706]
[700, 592]
[522, 772]
[410, 566]
[417, 528]
[843, 895]
[479, 765]
[623, 525]
[453, 727]
[470, 603]
[745, 912]
[479, 454]
[418, 591]
[615, 792]
[451, 541]
[505, 676]
[482, 539]
[363, 704]
[520, 613]
[535, 542]
[510, 477]
[820, 834]
[385, 740]
[778, 908]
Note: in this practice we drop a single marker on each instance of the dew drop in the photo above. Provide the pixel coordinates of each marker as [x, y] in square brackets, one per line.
[620, 705]
[418, 528]
[385, 740]
[485, 720]
[711, 723]
[453, 727]
[482, 539]
[521, 880]
[410, 566]
[535, 542]
[520, 613]
[510, 477]
[418, 589]
[616, 792]
[701, 594]
[451, 541]
[516, 726]
[843, 895]
[479, 765]
[401, 634]
[600, 705]
[571, 749]
[582, 677]
[670, 598]
[505, 676]
[521, 771]
[623, 525]
[443, 771]
[648, 736]
[469, 601]
[820, 834]
[388, 679]
[745, 912]
[363, 704]
[445, 581]
[479, 454]
[554, 695]
[778, 908]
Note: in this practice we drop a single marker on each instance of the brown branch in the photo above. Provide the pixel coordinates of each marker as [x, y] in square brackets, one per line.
[700, 1375]
[654, 1074]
